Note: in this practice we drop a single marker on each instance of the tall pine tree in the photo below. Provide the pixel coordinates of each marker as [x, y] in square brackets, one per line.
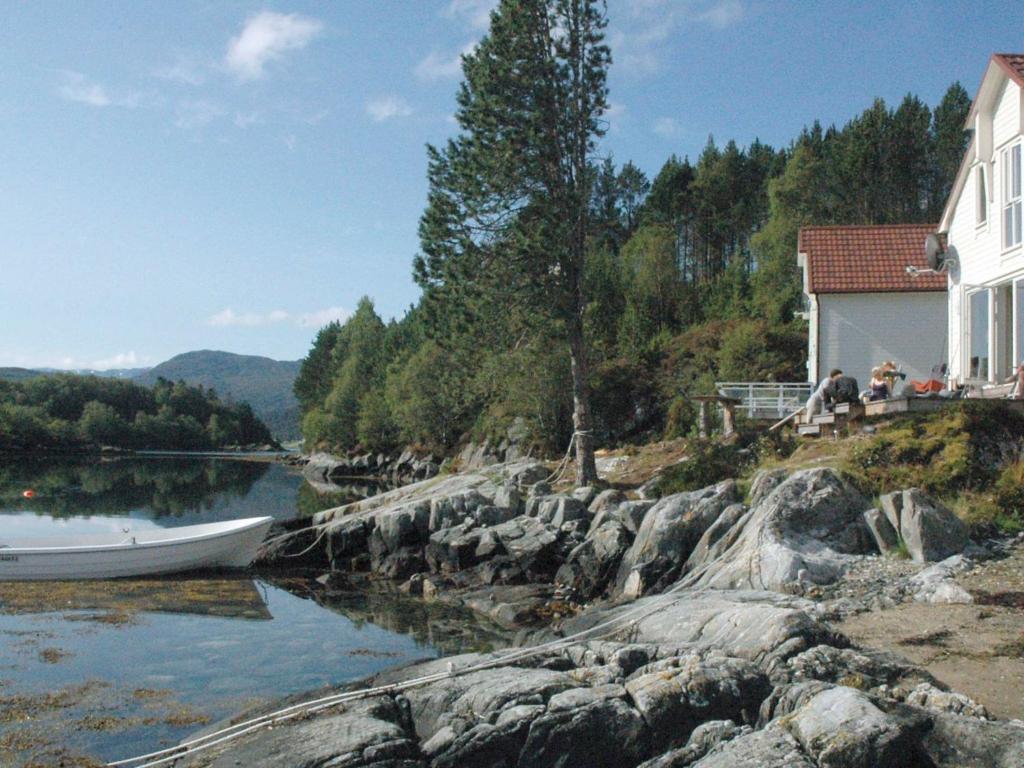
[509, 197]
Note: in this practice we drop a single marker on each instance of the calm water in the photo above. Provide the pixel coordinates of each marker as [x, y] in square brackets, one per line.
[113, 669]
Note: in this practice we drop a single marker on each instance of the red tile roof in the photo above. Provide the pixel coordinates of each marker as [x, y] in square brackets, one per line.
[1013, 64]
[867, 259]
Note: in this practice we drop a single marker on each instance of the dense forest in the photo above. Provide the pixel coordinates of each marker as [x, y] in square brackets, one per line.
[689, 277]
[70, 411]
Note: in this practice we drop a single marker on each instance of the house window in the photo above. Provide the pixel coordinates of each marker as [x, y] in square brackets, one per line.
[1011, 196]
[982, 195]
[978, 335]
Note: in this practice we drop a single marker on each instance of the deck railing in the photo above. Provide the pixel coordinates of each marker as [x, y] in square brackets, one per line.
[764, 399]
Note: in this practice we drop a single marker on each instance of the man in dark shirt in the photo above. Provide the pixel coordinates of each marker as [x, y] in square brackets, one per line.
[842, 389]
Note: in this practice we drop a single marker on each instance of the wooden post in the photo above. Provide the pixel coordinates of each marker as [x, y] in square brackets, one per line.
[728, 418]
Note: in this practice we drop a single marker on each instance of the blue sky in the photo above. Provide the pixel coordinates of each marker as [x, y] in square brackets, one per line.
[231, 175]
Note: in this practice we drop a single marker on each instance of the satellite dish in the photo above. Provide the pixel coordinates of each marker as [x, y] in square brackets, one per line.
[934, 253]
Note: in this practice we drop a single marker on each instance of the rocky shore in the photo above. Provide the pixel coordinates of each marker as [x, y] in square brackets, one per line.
[702, 628]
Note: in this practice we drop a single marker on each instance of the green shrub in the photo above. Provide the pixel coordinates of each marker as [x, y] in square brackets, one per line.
[708, 462]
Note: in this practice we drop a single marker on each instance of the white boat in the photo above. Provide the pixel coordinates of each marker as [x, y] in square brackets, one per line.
[231, 544]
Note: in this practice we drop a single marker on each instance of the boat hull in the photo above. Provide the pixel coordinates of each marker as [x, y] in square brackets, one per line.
[148, 553]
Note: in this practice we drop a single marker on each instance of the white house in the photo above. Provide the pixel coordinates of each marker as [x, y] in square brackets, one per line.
[864, 307]
[982, 222]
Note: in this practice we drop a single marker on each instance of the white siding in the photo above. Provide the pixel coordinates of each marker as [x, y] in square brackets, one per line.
[978, 249]
[858, 331]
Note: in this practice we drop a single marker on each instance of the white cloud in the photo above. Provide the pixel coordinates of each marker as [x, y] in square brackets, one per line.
[120, 360]
[723, 13]
[438, 67]
[322, 317]
[388, 107]
[475, 13]
[289, 141]
[245, 119]
[666, 126]
[184, 70]
[229, 318]
[638, 36]
[267, 36]
[78, 88]
[196, 113]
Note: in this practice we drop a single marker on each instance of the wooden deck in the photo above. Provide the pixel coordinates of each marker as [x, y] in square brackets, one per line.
[846, 413]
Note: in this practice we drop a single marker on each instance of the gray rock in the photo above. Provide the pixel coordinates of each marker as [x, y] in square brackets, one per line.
[674, 701]
[717, 538]
[493, 515]
[882, 531]
[927, 696]
[936, 583]
[954, 741]
[841, 728]
[509, 497]
[930, 530]
[892, 508]
[811, 522]
[585, 495]
[771, 747]
[607, 499]
[669, 532]
[704, 738]
[363, 733]
[530, 543]
[559, 509]
[607, 733]
[764, 482]
[631, 514]
[757, 626]
[592, 564]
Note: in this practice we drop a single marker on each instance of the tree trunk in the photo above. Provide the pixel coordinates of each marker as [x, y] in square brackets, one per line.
[586, 468]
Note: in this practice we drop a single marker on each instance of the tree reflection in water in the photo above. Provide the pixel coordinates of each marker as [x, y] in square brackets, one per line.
[168, 486]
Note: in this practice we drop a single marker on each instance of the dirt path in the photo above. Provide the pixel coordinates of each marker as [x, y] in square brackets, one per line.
[975, 649]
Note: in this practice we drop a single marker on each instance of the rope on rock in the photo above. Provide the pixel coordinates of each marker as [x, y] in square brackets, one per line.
[605, 629]
[563, 465]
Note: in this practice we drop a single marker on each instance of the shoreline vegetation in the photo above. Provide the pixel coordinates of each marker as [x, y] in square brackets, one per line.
[69, 413]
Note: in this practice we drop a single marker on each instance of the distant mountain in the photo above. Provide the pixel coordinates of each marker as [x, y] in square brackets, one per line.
[263, 383]
[20, 374]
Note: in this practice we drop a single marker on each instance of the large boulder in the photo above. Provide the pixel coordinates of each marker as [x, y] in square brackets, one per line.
[764, 627]
[841, 727]
[676, 696]
[592, 564]
[802, 532]
[361, 734]
[531, 543]
[886, 537]
[558, 509]
[931, 531]
[669, 532]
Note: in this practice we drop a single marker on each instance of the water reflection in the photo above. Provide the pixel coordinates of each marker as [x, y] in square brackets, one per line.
[202, 595]
[166, 486]
[443, 626]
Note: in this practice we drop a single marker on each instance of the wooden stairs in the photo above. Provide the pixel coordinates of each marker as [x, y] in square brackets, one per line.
[829, 424]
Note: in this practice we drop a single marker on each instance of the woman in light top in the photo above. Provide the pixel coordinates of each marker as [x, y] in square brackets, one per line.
[879, 386]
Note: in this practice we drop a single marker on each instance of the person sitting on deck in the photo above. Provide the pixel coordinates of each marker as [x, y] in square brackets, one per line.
[818, 400]
[842, 389]
[878, 388]
[1018, 383]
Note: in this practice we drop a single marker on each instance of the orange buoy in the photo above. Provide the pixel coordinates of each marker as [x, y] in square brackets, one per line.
[29, 494]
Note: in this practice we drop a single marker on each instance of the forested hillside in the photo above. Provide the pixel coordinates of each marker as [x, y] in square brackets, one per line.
[65, 411]
[689, 277]
[263, 383]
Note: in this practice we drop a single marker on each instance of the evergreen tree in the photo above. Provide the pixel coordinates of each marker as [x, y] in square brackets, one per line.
[510, 197]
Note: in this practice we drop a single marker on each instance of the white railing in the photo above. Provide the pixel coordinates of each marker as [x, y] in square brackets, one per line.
[765, 399]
